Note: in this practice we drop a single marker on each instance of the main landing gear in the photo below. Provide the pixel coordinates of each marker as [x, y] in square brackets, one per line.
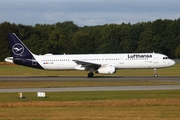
[90, 74]
[155, 72]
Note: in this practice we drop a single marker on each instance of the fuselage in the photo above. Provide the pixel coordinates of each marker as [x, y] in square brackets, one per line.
[120, 61]
[98, 63]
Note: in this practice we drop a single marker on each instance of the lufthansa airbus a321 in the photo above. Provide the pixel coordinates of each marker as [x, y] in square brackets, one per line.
[94, 63]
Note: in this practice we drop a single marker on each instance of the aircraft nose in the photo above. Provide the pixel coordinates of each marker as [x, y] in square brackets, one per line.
[172, 62]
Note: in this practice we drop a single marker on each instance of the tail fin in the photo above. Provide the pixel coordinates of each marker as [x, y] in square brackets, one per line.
[18, 48]
[21, 55]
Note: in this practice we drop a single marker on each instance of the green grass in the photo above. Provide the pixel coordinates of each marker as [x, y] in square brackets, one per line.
[100, 105]
[25, 71]
[124, 105]
[92, 113]
[91, 96]
[77, 83]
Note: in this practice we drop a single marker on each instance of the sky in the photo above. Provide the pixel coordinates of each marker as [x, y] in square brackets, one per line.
[87, 12]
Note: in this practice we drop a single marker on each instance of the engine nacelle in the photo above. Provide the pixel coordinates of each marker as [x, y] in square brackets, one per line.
[108, 69]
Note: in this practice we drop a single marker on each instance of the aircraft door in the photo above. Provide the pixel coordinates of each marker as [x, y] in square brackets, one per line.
[121, 60]
[155, 58]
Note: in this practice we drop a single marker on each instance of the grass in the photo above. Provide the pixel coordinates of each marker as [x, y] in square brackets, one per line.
[92, 113]
[81, 83]
[92, 96]
[100, 105]
[76, 83]
[124, 105]
[15, 70]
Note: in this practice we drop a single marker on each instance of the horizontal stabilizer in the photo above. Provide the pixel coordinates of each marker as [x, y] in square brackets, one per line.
[9, 59]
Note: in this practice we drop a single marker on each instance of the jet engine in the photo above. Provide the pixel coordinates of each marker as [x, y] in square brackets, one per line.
[107, 69]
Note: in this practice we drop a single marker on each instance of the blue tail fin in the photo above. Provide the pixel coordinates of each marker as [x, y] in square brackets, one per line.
[21, 54]
[18, 48]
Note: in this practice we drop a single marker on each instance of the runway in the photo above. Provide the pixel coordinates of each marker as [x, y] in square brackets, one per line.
[110, 88]
[84, 78]
[100, 78]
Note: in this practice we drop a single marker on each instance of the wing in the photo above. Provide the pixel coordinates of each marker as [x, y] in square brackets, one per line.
[88, 65]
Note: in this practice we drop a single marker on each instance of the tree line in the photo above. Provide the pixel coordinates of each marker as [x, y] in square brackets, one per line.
[160, 36]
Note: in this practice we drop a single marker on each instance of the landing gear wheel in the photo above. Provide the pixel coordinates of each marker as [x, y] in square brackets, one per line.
[155, 72]
[155, 75]
[90, 75]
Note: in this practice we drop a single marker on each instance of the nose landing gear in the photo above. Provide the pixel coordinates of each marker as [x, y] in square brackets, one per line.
[155, 72]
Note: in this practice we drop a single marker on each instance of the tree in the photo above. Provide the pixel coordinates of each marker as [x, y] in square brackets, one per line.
[127, 44]
[56, 42]
[145, 44]
[66, 37]
[5, 28]
[109, 39]
[178, 52]
[82, 43]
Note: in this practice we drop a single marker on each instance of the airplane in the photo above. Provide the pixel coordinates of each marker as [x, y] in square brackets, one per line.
[94, 63]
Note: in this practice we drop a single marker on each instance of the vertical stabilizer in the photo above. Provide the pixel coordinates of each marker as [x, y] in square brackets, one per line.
[18, 49]
[21, 55]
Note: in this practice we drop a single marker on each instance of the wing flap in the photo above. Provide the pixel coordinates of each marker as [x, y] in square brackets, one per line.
[88, 65]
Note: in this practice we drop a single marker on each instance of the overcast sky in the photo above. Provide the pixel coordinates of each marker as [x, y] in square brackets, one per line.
[87, 12]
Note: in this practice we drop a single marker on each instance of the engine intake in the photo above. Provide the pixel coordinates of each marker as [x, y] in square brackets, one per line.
[108, 69]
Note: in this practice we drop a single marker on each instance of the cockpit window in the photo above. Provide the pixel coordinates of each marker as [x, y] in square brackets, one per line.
[164, 58]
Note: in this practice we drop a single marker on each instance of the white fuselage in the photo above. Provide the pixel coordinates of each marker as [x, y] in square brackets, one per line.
[98, 63]
[120, 61]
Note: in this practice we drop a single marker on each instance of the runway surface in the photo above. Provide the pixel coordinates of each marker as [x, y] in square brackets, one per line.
[110, 88]
[99, 78]
[84, 78]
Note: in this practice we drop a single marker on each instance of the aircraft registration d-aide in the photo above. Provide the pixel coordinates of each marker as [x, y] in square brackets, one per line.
[94, 63]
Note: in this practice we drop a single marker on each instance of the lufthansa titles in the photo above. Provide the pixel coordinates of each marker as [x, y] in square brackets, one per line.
[139, 56]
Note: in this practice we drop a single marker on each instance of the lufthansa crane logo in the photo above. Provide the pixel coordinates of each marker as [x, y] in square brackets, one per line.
[18, 49]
